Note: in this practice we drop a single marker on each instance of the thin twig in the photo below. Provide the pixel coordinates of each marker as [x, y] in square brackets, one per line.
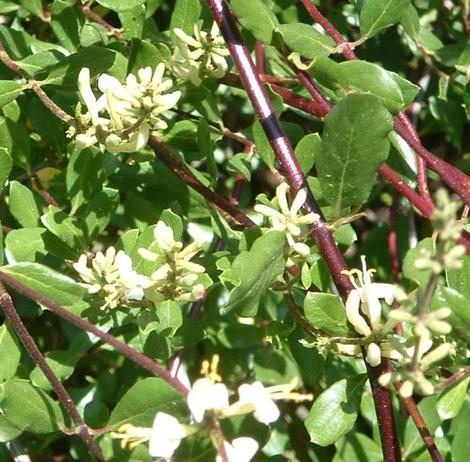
[62, 394]
[452, 380]
[139, 358]
[88, 12]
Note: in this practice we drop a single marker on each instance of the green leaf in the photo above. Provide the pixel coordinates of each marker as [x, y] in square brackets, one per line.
[240, 164]
[185, 14]
[84, 176]
[5, 166]
[119, 5]
[334, 412]
[410, 21]
[395, 92]
[459, 279]
[99, 211]
[306, 40]
[33, 244]
[352, 150]
[357, 447]
[10, 353]
[144, 53]
[59, 288]
[23, 206]
[8, 431]
[36, 63]
[257, 17]
[66, 24]
[29, 408]
[256, 269]
[132, 22]
[98, 59]
[62, 226]
[9, 90]
[326, 312]
[451, 401]
[306, 151]
[421, 277]
[142, 401]
[377, 15]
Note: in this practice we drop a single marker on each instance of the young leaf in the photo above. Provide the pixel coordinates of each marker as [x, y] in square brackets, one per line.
[353, 148]
[306, 40]
[256, 270]
[334, 412]
[306, 151]
[29, 408]
[257, 17]
[23, 206]
[141, 402]
[326, 312]
[459, 279]
[377, 15]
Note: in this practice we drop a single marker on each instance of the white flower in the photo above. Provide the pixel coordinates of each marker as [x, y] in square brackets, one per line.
[240, 450]
[166, 435]
[130, 111]
[199, 55]
[366, 296]
[206, 395]
[110, 273]
[288, 219]
[176, 277]
[257, 396]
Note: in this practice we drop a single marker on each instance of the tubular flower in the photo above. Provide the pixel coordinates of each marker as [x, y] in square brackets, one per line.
[256, 396]
[363, 307]
[202, 54]
[166, 435]
[287, 219]
[124, 116]
[207, 395]
[177, 277]
[111, 275]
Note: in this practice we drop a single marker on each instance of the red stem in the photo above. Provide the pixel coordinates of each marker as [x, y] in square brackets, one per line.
[28, 342]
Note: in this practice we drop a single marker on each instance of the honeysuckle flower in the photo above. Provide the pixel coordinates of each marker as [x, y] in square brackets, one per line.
[288, 219]
[125, 114]
[166, 435]
[110, 274]
[366, 295]
[202, 54]
[207, 395]
[176, 277]
[257, 396]
[241, 449]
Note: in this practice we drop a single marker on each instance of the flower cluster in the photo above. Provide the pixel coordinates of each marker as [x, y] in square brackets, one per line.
[110, 275]
[200, 55]
[209, 396]
[124, 116]
[287, 219]
[176, 277]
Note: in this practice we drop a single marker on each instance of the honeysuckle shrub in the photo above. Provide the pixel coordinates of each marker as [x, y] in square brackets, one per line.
[206, 288]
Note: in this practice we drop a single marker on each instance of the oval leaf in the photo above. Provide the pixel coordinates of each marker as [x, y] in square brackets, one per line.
[353, 148]
[334, 412]
[377, 15]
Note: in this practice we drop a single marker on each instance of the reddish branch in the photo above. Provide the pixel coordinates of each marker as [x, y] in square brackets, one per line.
[28, 342]
[139, 358]
[285, 155]
[88, 12]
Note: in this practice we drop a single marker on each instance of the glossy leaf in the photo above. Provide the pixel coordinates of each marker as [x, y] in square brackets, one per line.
[118, 5]
[5, 166]
[451, 401]
[352, 150]
[62, 226]
[23, 206]
[185, 14]
[306, 151]
[9, 90]
[334, 412]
